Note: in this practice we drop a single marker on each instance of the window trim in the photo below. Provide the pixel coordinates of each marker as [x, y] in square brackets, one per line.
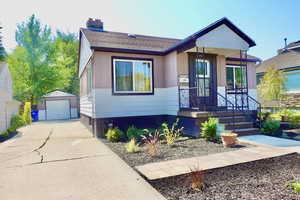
[207, 74]
[234, 81]
[116, 58]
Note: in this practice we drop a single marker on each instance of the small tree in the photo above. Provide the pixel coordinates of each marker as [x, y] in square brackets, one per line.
[2, 50]
[272, 86]
[27, 113]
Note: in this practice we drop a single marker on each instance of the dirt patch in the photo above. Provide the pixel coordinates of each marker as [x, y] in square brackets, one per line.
[263, 180]
[183, 149]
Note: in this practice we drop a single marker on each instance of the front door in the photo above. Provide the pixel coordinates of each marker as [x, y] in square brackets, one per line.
[203, 81]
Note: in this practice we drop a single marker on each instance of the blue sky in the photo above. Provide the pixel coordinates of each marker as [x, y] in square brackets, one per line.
[268, 22]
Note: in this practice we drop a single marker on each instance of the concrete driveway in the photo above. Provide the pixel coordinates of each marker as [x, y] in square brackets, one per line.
[61, 160]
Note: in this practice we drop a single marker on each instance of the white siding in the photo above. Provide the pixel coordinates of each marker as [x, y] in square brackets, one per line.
[164, 101]
[222, 37]
[85, 53]
[42, 115]
[86, 106]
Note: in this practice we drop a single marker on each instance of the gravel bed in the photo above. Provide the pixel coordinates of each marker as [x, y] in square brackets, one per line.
[182, 149]
[263, 180]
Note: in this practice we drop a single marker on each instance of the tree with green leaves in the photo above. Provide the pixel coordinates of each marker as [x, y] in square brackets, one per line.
[31, 63]
[272, 86]
[2, 50]
[65, 48]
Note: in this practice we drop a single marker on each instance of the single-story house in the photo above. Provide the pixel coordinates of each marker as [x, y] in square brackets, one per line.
[57, 105]
[8, 106]
[129, 79]
[287, 60]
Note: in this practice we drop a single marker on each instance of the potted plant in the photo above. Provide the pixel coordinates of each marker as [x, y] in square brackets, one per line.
[228, 139]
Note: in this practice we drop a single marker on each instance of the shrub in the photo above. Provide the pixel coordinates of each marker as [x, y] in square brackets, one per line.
[270, 126]
[264, 115]
[16, 122]
[196, 178]
[135, 133]
[27, 113]
[132, 146]
[209, 129]
[286, 114]
[4, 134]
[114, 134]
[294, 120]
[151, 142]
[295, 186]
[171, 134]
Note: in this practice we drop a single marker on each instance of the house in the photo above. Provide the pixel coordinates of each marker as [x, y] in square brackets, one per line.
[287, 60]
[129, 79]
[58, 105]
[8, 106]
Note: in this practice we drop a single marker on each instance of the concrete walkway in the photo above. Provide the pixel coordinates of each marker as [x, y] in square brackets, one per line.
[269, 140]
[171, 168]
[60, 160]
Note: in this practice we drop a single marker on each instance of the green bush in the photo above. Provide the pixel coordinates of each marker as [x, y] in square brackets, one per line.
[16, 122]
[114, 134]
[209, 129]
[135, 133]
[27, 113]
[286, 113]
[4, 134]
[295, 121]
[270, 126]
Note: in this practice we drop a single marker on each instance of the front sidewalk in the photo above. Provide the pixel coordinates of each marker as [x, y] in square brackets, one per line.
[60, 160]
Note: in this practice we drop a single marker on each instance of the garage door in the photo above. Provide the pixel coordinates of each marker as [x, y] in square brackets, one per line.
[58, 109]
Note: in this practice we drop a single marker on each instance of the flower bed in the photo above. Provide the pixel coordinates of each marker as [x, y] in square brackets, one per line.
[264, 179]
[184, 148]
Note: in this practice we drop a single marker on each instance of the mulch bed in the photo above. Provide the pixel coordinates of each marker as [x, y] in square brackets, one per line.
[182, 149]
[263, 180]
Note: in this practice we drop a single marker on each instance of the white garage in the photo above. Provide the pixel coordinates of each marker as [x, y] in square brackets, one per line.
[58, 105]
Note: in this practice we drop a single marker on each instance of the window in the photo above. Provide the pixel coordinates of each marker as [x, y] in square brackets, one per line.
[203, 77]
[236, 77]
[132, 76]
[89, 78]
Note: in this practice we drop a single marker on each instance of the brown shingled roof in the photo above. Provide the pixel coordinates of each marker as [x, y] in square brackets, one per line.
[110, 39]
[293, 44]
[281, 61]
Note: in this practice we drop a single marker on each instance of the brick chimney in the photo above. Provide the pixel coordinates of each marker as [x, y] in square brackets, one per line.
[94, 24]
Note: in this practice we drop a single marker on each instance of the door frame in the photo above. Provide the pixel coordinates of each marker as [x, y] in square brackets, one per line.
[203, 103]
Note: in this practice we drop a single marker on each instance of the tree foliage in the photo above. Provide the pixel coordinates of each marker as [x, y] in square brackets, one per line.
[42, 61]
[272, 85]
[2, 50]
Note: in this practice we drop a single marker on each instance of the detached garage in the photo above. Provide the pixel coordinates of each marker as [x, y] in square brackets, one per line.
[58, 105]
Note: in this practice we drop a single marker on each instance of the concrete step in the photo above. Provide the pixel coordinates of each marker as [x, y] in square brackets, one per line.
[238, 125]
[229, 119]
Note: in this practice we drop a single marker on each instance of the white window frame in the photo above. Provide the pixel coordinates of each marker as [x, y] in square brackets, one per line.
[234, 81]
[207, 74]
[133, 77]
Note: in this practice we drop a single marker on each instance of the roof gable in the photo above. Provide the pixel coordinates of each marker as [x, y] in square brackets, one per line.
[58, 93]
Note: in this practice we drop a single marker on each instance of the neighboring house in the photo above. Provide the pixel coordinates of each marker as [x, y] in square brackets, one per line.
[8, 106]
[130, 79]
[288, 60]
[57, 105]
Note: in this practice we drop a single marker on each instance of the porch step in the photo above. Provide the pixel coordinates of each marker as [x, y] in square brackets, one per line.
[247, 131]
[238, 125]
[241, 118]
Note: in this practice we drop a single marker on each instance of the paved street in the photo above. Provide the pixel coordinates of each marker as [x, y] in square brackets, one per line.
[61, 160]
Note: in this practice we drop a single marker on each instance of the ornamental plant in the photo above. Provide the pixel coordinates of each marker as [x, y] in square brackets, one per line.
[27, 113]
[295, 186]
[16, 122]
[171, 134]
[135, 133]
[196, 177]
[151, 142]
[132, 146]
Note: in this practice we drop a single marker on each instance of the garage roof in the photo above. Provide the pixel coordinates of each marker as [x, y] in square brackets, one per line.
[58, 93]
